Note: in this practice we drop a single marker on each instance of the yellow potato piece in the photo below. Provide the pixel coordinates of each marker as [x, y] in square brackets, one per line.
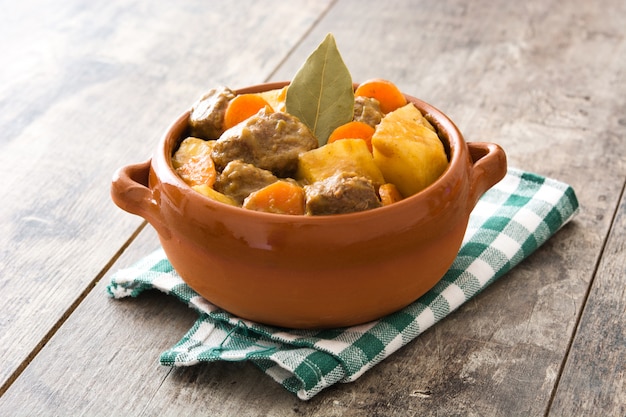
[191, 148]
[407, 150]
[215, 195]
[275, 98]
[346, 155]
[192, 162]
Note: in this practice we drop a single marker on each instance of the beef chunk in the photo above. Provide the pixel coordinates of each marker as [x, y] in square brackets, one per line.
[239, 179]
[271, 141]
[341, 193]
[207, 114]
[367, 110]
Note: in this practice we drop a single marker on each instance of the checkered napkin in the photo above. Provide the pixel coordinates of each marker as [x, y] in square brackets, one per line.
[509, 222]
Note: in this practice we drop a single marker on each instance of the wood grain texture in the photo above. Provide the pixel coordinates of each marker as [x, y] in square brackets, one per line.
[594, 378]
[104, 362]
[91, 85]
[96, 83]
[101, 357]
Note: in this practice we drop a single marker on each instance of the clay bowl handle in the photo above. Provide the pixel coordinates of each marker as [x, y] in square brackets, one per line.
[130, 192]
[489, 167]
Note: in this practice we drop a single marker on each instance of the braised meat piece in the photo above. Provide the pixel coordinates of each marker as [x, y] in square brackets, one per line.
[239, 179]
[341, 193]
[207, 114]
[268, 140]
[367, 110]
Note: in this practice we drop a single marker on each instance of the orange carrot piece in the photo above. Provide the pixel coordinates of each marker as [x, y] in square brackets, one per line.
[386, 92]
[242, 107]
[353, 130]
[280, 197]
[389, 194]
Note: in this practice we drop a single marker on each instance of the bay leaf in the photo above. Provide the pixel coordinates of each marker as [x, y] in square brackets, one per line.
[321, 94]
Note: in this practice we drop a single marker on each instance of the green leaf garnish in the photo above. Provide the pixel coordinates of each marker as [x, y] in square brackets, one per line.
[321, 93]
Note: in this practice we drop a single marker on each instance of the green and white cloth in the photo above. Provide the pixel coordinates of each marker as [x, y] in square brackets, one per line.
[509, 222]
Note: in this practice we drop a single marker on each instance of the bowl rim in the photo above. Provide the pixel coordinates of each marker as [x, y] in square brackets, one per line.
[161, 164]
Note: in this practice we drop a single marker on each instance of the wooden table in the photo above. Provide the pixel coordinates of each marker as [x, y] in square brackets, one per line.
[88, 86]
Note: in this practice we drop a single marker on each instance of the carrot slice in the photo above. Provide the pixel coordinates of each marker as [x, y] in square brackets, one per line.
[389, 194]
[280, 197]
[386, 92]
[242, 107]
[353, 130]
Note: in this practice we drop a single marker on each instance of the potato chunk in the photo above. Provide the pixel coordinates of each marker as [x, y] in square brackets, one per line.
[215, 195]
[346, 155]
[192, 162]
[275, 98]
[407, 151]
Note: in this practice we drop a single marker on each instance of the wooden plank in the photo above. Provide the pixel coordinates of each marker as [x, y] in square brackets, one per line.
[92, 85]
[104, 361]
[103, 339]
[501, 79]
[594, 378]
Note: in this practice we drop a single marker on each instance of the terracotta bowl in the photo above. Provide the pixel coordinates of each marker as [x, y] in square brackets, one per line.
[311, 271]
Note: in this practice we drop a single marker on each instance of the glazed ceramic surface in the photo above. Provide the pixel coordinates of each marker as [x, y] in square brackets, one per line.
[311, 271]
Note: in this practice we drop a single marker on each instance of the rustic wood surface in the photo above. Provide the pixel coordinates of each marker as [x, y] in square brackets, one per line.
[88, 86]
